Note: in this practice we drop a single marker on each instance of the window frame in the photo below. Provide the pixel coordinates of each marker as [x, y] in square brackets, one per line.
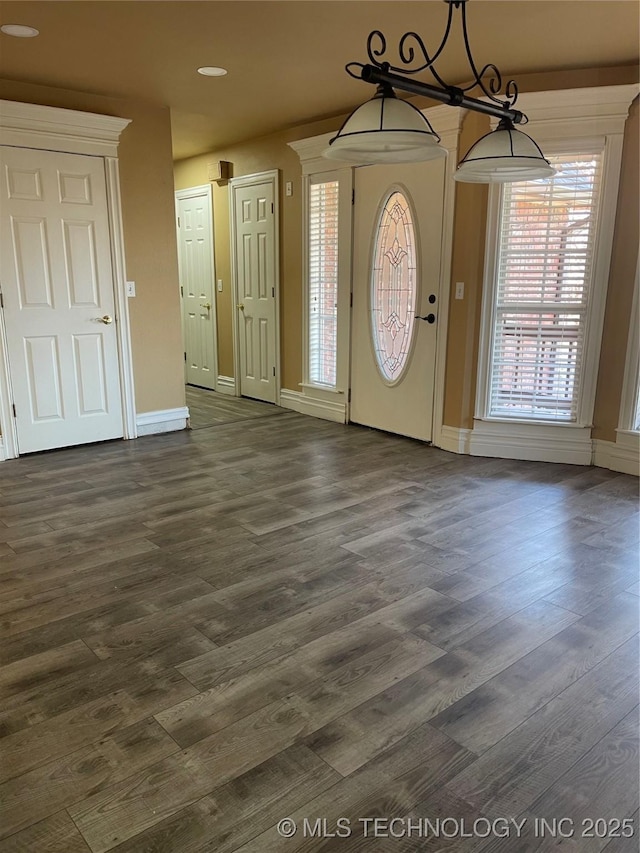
[596, 297]
[311, 181]
[563, 123]
[344, 178]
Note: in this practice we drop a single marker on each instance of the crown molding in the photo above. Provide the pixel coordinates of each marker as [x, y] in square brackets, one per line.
[54, 128]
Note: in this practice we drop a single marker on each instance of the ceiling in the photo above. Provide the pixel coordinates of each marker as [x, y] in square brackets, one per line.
[286, 59]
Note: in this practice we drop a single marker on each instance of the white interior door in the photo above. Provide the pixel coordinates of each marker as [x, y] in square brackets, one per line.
[59, 304]
[255, 264]
[398, 220]
[195, 256]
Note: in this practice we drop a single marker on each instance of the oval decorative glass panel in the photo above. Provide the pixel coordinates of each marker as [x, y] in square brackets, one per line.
[393, 286]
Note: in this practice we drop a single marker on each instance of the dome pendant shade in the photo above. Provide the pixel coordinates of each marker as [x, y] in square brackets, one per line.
[385, 130]
[505, 155]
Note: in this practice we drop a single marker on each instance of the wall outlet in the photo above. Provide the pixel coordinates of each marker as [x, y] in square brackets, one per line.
[288, 188]
[459, 289]
[219, 285]
[131, 288]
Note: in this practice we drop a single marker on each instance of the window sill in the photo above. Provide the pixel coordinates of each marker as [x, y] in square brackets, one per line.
[531, 423]
[326, 389]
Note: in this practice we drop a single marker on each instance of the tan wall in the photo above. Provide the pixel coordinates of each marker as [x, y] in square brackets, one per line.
[467, 261]
[149, 235]
[467, 266]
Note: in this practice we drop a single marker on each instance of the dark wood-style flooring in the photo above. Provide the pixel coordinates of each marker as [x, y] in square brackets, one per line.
[206, 632]
[210, 408]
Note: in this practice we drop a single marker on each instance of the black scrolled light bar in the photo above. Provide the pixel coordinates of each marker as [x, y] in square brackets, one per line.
[411, 44]
[452, 95]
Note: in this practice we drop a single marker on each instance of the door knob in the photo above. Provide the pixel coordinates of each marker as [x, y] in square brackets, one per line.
[206, 305]
[106, 319]
[430, 318]
[240, 306]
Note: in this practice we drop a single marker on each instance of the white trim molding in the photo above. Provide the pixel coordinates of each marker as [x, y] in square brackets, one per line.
[310, 151]
[2, 456]
[162, 420]
[56, 129]
[622, 455]
[72, 132]
[536, 442]
[226, 385]
[447, 122]
[454, 439]
[631, 380]
[328, 410]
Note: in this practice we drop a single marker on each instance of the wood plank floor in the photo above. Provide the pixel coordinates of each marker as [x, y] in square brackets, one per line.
[210, 408]
[206, 632]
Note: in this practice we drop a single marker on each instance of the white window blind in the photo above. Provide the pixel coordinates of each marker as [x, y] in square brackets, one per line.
[544, 269]
[323, 281]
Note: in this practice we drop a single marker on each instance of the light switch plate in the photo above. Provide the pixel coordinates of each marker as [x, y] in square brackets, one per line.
[288, 188]
[219, 285]
[459, 289]
[131, 288]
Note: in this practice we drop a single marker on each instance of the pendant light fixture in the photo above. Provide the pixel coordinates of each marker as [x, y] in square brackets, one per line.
[389, 130]
[386, 130]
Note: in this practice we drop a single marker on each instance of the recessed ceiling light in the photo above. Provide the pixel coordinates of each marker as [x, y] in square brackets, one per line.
[212, 71]
[19, 31]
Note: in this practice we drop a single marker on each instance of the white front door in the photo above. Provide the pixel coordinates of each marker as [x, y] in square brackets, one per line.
[195, 256]
[59, 307]
[398, 219]
[255, 264]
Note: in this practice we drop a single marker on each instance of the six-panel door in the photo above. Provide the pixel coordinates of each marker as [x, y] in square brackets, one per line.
[255, 265]
[58, 298]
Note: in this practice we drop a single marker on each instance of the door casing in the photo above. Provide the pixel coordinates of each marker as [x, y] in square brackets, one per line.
[236, 183]
[72, 132]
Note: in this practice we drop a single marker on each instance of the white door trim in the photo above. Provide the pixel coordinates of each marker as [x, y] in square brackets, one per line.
[198, 192]
[447, 120]
[73, 132]
[272, 176]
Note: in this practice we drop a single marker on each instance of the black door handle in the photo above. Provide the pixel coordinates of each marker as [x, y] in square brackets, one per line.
[430, 318]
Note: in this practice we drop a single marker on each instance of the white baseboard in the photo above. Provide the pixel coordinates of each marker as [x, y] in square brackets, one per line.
[226, 385]
[328, 410]
[454, 440]
[621, 455]
[164, 420]
[2, 453]
[534, 442]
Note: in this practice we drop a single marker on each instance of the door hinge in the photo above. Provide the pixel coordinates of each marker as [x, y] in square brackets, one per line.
[349, 395]
[1, 300]
[185, 356]
[273, 291]
[353, 196]
[182, 291]
[351, 300]
[13, 406]
[178, 222]
[274, 371]
[272, 208]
